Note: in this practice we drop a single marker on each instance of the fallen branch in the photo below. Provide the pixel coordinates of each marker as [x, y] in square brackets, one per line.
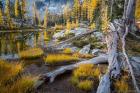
[127, 60]
[52, 75]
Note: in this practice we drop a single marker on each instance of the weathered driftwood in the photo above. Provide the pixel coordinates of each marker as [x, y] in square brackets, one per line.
[52, 75]
[113, 60]
[119, 30]
[71, 39]
[104, 84]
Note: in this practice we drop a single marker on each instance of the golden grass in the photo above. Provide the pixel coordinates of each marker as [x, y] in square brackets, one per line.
[83, 74]
[122, 85]
[9, 71]
[67, 51]
[11, 81]
[58, 58]
[82, 55]
[85, 85]
[22, 85]
[59, 27]
[84, 70]
[31, 53]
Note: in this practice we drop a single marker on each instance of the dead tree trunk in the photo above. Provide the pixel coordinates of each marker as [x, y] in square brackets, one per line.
[118, 32]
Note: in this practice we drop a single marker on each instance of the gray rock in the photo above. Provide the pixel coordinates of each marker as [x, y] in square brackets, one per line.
[59, 34]
[85, 49]
[136, 59]
[99, 35]
[74, 49]
[95, 51]
[78, 31]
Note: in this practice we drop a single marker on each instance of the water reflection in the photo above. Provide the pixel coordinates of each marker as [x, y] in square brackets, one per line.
[12, 43]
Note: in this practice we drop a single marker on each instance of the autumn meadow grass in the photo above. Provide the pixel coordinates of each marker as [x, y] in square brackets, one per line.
[85, 76]
[59, 58]
[122, 85]
[11, 80]
[31, 53]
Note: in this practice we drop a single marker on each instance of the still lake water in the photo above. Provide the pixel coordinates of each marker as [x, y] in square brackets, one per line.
[12, 43]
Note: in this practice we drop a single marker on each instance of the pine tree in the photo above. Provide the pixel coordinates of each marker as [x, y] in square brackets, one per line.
[68, 26]
[91, 8]
[7, 8]
[66, 13]
[104, 16]
[76, 9]
[23, 8]
[7, 14]
[85, 9]
[1, 17]
[17, 8]
[46, 18]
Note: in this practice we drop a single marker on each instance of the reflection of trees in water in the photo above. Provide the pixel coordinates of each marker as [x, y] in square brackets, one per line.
[13, 43]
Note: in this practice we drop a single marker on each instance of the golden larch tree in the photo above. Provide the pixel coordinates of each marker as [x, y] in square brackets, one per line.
[7, 14]
[76, 9]
[1, 17]
[23, 8]
[16, 8]
[46, 18]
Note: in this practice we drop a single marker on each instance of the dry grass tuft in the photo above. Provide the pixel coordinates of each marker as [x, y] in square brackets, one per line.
[60, 58]
[9, 71]
[11, 81]
[31, 53]
[84, 70]
[83, 55]
[67, 51]
[85, 76]
[122, 85]
[85, 85]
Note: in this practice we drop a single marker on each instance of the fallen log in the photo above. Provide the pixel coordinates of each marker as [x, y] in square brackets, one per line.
[69, 40]
[52, 75]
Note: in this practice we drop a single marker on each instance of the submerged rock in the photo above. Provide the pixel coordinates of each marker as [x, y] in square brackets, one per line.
[78, 31]
[85, 49]
[59, 34]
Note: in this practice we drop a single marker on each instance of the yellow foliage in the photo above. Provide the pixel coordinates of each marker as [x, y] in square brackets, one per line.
[137, 13]
[1, 17]
[68, 25]
[92, 26]
[82, 75]
[16, 8]
[122, 85]
[84, 70]
[22, 85]
[8, 71]
[31, 53]
[83, 55]
[74, 80]
[9, 80]
[104, 16]
[59, 27]
[85, 85]
[96, 72]
[67, 51]
[58, 58]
